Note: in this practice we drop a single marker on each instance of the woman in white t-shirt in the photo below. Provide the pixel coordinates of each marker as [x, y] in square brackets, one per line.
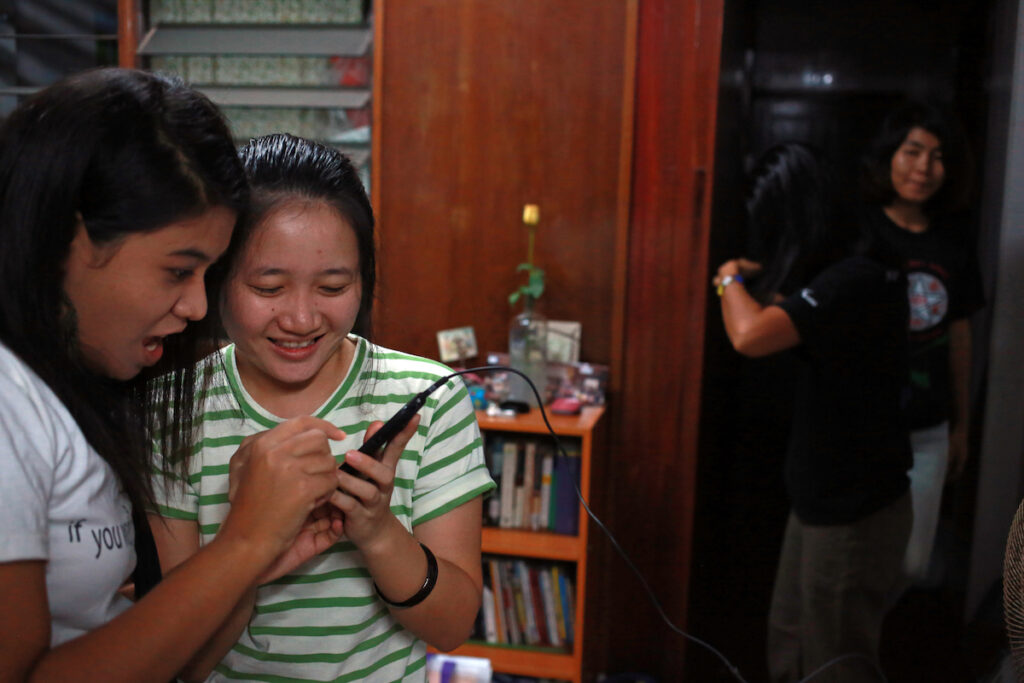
[119, 191]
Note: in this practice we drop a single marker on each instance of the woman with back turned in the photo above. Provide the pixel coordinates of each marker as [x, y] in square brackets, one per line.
[815, 285]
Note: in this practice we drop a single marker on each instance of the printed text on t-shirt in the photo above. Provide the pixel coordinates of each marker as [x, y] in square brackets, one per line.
[106, 538]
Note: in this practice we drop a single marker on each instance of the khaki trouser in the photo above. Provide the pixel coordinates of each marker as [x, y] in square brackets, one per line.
[831, 594]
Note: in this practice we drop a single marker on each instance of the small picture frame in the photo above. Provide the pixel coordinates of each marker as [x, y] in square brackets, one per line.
[585, 382]
[457, 344]
[563, 344]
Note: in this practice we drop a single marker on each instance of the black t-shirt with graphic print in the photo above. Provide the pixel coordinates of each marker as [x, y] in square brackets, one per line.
[943, 285]
[849, 449]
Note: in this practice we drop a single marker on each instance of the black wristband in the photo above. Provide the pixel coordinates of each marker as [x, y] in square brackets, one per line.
[425, 589]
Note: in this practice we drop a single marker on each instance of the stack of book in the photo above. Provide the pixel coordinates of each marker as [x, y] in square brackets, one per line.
[527, 603]
[536, 486]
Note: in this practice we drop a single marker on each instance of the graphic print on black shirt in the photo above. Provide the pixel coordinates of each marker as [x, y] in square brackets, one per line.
[928, 298]
[943, 285]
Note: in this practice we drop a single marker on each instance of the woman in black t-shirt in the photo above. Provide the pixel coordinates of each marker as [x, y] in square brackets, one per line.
[915, 175]
[825, 293]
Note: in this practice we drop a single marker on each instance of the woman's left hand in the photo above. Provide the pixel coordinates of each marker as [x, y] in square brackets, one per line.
[366, 502]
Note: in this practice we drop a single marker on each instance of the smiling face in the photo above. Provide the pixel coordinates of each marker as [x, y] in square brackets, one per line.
[917, 170]
[290, 303]
[131, 294]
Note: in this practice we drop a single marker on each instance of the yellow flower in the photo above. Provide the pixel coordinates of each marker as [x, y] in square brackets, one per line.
[531, 214]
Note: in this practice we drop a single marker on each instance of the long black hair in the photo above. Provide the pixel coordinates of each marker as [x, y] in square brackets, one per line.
[797, 223]
[876, 163]
[281, 167]
[125, 152]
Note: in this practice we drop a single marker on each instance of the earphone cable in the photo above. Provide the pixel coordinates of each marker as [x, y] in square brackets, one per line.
[622, 553]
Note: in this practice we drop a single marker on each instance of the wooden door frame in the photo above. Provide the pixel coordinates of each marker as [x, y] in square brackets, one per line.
[656, 412]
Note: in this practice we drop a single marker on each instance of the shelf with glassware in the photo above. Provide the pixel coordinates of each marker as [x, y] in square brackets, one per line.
[534, 542]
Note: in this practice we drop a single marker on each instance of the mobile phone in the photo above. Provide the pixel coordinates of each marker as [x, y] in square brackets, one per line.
[374, 446]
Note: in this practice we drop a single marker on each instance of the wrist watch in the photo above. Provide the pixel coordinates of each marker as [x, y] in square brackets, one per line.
[728, 280]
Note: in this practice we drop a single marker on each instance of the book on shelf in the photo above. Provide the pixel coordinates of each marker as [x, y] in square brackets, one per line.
[568, 599]
[566, 509]
[536, 487]
[493, 455]
[545, 518]
[562, 589]
[548, 603]
[537, 595]
[520, 505]
[542, 486]
[490, 618]
[515, 631]
[501, 621]
[527, 519]
[525, 603]
[507, 486]
[526, 628]
[556, 598]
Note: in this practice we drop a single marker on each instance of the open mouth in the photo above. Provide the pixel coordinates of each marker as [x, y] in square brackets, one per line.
[153, 348]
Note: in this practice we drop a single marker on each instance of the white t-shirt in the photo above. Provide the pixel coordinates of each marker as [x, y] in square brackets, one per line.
[62, 503]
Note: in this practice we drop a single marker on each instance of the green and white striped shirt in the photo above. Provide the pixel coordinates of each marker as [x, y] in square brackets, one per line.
[324, 622]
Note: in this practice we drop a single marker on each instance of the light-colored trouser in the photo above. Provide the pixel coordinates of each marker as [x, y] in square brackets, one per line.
[831, 595]
[927, 478]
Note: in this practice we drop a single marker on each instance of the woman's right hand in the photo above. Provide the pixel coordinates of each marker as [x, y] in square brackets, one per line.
[277, 478]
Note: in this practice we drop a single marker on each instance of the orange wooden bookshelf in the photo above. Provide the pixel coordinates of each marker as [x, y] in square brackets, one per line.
[543, 662]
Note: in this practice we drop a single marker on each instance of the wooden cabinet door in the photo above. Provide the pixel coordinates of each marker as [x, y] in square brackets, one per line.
[483, 106]
[603, 113]
[649, 477]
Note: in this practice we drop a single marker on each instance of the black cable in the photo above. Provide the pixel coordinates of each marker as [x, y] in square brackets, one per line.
[615, 543]
[622, 553]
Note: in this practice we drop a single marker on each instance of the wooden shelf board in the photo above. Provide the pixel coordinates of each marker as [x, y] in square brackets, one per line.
[533, 423]
[523, 661]
[538, 544]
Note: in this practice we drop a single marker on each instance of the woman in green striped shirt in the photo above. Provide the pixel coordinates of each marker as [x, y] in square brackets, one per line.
[396, 564]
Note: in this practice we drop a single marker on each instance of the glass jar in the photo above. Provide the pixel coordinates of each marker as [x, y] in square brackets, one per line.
[527, 352]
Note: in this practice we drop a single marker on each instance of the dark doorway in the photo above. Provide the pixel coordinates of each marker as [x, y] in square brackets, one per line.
[823, 74]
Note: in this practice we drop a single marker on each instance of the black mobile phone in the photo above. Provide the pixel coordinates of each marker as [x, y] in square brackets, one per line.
[374, 446]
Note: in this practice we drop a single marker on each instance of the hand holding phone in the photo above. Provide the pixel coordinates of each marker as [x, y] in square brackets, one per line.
[374, 446]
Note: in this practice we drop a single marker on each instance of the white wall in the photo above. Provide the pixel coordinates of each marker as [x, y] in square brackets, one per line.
[1001, 474]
